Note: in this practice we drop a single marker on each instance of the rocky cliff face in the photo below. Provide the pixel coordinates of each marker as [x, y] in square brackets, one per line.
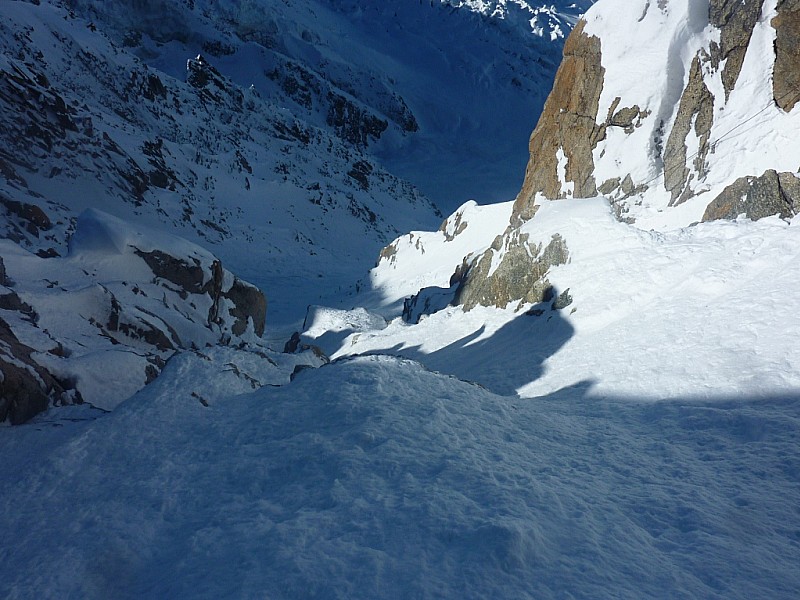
[677, 112]
[690, 98]
[786, 76]
[561, 146]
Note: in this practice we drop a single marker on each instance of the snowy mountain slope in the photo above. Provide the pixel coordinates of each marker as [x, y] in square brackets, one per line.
[251, 129]
[375, 478]
[220, 165]
[703, 311]
[105, 318]
[658, 304]
[639, 434]
[424, 79]
[87, 125]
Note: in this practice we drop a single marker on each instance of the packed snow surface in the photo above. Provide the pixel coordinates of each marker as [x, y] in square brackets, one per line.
[707, 311]
[642, 445]
[375, 478]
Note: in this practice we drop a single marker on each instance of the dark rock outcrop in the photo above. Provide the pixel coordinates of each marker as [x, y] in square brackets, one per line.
[191, 278]
[352, 122]
[571, 126]
[756, 197]
[562, 301]
[427, 301]
[296, 345]
[696, 106]
[736, 20]
[194, 278]
[137, 296]
[26, 388]
[249, 303]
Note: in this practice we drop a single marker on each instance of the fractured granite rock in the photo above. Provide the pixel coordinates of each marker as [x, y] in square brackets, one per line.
[757, 197]
[786, 75]
[26, 388]
[568, 123]
[520, 276]
[736, 20]
[696, 107]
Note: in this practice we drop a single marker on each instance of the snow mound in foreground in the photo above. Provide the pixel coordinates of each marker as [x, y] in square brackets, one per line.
[376, 478]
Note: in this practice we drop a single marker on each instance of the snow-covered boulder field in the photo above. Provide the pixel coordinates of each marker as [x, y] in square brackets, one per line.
[102, 320]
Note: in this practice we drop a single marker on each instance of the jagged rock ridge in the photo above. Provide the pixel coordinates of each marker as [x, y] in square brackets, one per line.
[687, 116]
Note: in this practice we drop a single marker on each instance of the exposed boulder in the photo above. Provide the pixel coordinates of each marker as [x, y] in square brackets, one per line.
[427, 301]
[454, 225]
[190, 277]
[248, 305]
[562, 301]
[295, 345]
[756, 197]
[786, 75]
[520, 276]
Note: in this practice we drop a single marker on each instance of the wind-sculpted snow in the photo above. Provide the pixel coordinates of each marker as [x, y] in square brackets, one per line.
[375, 478]
[707, 310]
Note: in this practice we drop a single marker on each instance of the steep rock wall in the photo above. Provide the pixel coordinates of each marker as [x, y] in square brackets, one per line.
[786, 78]
[567, 124]
[661, 106]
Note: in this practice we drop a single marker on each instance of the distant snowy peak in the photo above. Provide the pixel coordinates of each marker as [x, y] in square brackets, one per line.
[674, 110]
[551, 21]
